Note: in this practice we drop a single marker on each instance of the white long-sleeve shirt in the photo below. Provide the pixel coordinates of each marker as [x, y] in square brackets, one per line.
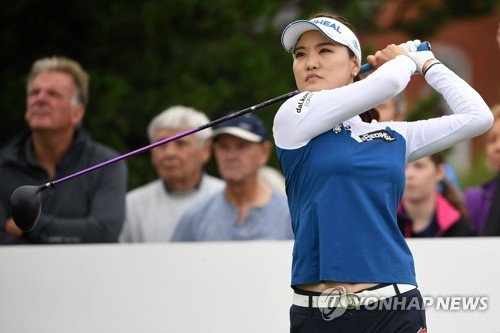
[345, 177]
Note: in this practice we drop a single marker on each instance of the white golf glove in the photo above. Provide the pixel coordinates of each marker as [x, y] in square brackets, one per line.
[411, 45]
[421, 57]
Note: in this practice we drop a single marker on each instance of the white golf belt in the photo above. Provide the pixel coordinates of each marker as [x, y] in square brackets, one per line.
[365, 297]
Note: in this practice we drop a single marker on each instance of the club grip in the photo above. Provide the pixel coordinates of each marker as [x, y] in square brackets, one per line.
[424, 46]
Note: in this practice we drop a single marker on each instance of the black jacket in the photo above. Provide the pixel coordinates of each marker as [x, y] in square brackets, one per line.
[87, 209]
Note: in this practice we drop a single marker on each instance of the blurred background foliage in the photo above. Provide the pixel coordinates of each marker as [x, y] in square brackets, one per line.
[144, 56]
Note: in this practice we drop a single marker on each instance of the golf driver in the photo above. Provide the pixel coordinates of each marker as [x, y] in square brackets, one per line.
[26, 201]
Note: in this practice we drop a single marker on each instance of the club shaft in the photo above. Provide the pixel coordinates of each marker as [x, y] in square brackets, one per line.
[177, 136]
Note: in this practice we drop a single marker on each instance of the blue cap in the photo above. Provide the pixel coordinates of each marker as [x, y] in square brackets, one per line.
[247, 127]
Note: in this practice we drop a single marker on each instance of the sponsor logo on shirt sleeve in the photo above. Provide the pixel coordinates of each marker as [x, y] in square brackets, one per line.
[304, 103]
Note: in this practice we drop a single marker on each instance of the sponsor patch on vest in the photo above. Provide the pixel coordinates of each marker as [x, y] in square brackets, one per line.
[377, 135]
[303, 103]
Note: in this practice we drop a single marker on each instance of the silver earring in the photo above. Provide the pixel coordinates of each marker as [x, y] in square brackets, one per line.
[354, 74]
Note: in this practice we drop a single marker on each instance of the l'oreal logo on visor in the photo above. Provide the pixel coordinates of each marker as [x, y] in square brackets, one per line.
[377, 135]
[328, 24]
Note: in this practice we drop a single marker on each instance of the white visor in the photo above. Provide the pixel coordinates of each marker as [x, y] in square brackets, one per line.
[331, 28]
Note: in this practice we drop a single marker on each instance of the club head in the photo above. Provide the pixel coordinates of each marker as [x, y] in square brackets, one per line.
[26, 206]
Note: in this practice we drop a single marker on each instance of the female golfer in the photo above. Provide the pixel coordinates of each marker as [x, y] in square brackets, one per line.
[345, 175]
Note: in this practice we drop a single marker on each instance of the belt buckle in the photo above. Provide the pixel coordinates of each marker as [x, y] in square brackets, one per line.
[350, 300]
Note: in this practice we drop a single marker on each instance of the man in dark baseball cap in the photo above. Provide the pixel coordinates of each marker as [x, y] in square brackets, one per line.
[248, 127]
[248, 208]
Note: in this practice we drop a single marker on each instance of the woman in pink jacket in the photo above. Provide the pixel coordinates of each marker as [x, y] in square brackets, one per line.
[424, 211]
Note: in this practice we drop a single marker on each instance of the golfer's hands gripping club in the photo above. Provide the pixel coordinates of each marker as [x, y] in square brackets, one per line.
[423, 59]
[411, 48]
[411, 45]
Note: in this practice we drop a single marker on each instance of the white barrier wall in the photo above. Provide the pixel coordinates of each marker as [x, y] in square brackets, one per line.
[210, 287]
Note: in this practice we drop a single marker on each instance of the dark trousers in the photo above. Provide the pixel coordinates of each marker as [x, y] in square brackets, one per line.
[404, 313]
